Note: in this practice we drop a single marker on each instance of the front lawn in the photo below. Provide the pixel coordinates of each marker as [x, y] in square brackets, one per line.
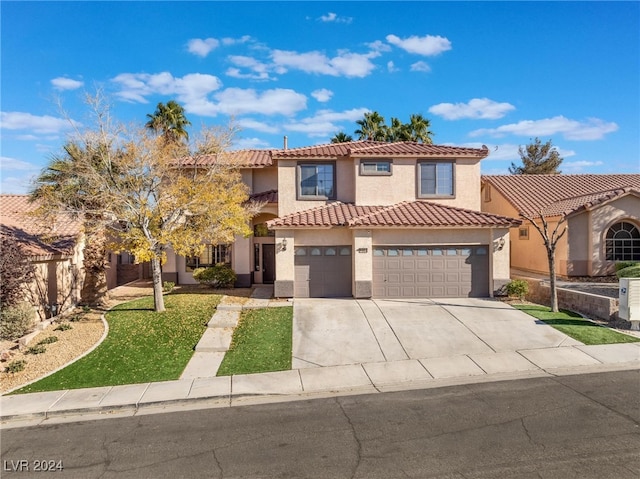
[142, 345]
[575, 326]
[262, 342]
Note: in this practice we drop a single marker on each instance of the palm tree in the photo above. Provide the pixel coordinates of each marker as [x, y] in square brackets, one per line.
[418, 129]
[341, 137]
[398, 131]
[371, 127]
[169, 122]
[61, 184]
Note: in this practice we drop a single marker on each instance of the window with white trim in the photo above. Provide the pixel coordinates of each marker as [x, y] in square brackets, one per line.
[435, 179]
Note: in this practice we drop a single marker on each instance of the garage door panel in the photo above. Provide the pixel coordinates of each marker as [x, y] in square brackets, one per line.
[322, 271]
[427, 271]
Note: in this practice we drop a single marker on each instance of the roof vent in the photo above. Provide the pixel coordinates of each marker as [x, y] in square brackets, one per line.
[286, 142]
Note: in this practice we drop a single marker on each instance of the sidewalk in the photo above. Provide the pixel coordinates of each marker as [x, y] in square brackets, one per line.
[200, 388]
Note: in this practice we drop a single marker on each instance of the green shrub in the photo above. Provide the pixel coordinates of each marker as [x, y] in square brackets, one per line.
[16, 366]
[218, 276]
[168, 286]
[625, 264]
[37, 349]
[16, 321]
[49, 340]
[629, 272]
[517, 288]
[64, 327]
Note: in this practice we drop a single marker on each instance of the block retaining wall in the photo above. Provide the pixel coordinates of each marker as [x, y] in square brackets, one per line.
[591, 305]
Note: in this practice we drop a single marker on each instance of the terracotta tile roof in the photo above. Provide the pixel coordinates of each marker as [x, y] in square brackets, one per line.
[560, 194]
[31, 233]
[373, 149]
[334, 214]
[242, 158]
[418, 214]
[270, 196]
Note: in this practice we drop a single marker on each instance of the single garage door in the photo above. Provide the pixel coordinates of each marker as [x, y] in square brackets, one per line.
[322, 271]
[430, 272]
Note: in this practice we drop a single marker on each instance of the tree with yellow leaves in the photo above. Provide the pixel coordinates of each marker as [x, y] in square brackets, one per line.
[149, 193]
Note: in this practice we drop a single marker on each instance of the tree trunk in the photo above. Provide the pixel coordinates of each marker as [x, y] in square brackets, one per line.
[551, 256]
[94, 287]
[156, 273]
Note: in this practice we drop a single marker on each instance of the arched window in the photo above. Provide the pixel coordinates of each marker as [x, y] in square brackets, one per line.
[623, 242]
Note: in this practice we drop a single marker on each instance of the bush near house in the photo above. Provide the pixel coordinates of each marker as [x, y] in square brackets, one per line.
[628, 269]
[218, 276]
[517, 288]
[16, 321]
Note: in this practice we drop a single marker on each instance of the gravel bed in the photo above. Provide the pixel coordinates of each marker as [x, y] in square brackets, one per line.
[71, 344]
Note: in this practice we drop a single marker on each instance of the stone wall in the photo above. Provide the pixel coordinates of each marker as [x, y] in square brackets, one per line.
[591, 305]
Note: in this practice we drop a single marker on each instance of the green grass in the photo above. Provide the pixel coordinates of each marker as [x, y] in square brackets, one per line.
[575, 326]
[142, 345]
[261, 342]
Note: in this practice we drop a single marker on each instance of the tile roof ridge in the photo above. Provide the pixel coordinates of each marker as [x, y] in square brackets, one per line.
[379, 209]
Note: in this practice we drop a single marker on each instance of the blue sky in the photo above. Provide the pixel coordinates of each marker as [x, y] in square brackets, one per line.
[488, 73]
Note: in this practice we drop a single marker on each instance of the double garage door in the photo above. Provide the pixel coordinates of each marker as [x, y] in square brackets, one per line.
[430, 272]
[322, 271]
[398, 271]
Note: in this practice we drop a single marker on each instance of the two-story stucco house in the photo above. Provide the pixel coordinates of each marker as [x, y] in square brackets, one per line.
[366, 219]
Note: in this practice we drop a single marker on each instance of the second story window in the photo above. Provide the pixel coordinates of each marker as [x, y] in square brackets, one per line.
[435, 179]
[317, 181]
[378, 167]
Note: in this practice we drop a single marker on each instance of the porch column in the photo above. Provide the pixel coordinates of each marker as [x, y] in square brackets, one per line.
[362, 263]
[285, 264]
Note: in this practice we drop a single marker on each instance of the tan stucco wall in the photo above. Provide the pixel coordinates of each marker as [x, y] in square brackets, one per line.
[285, 267]
[626, 208]
[402, 184]
[265, 179]
[287, 187]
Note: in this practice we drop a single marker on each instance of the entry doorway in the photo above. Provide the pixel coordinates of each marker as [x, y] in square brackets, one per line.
[268, 263]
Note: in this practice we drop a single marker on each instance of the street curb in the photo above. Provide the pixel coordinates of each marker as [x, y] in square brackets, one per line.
[246, 399]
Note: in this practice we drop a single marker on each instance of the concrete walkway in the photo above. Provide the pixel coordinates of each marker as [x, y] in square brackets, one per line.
[395, 370]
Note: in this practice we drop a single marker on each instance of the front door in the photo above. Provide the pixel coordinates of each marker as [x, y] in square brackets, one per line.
[268, 263]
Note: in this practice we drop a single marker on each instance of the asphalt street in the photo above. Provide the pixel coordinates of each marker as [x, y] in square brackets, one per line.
[583, 426]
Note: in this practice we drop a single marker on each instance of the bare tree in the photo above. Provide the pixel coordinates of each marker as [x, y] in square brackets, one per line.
[550, 240]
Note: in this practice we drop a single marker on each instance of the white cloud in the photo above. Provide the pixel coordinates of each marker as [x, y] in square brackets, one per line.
[190, 89]
[428, 45]
[278, 101]
[573, 167]
[477, 108]
[62, 83]
[325, 122]
[334, 18]
[250, 144]
[236, 41]
[17, 184]
[16, 120]
[322, 95]
[379, 46]
[13, 164]
[420, 67]
[250, 124]
[259, 69]
[391, 67]
[202, 47]
[590, 129]
[345, 64]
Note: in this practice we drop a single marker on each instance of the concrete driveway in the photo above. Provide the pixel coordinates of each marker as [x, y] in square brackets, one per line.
[331, 332]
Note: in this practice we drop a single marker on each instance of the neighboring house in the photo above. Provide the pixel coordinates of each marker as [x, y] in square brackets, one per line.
[56, 251]
[602, 215]
[366, 219]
